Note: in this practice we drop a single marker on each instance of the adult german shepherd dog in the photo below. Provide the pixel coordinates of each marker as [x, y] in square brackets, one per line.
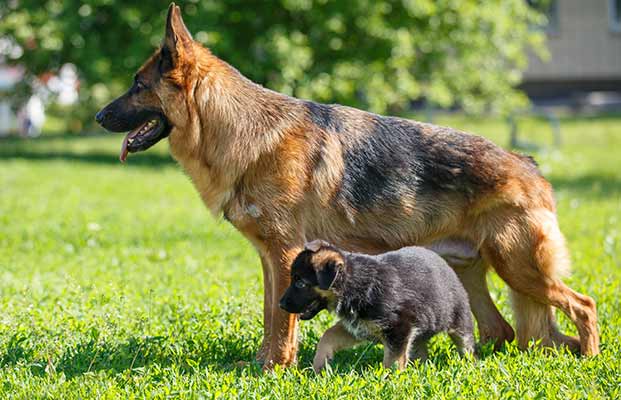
[285, 171]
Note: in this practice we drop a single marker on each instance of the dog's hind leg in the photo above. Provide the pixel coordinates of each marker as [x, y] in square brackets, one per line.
[528, 251]
[535, 320]
[492, 325]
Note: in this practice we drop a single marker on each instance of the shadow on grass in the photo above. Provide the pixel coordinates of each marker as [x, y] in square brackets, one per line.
[186, 355]
[132, 355]
[34, 150]
[224, 354]
[143, 160]
[17, 140]
[227, 353]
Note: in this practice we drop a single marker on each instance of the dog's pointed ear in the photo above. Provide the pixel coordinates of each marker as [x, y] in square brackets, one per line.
[315, 245]
[177, 40]
[327, 274]
[176, 31]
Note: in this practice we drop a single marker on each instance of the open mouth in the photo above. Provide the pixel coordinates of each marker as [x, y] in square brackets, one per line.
[313, 309]
[145, 135]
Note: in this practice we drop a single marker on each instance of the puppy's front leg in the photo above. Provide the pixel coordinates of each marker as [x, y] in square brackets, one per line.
[333, 340]
[392, 355]
[397, 346]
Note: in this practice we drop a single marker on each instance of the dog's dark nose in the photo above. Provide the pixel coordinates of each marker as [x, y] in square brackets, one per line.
[283, 304]
[100, 116]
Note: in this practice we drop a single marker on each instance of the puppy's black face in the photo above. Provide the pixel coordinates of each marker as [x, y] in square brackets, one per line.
[312, 274]
[301, 297]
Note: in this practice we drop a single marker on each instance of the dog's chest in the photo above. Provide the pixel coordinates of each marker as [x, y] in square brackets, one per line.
[245, 215]
[363, 329]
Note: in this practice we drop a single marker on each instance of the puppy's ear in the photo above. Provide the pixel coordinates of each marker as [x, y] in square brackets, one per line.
[315, 245]
[327, 274]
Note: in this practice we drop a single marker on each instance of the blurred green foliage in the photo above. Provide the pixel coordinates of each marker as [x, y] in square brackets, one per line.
[372, 54]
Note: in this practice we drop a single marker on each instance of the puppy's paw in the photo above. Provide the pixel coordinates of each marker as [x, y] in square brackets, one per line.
[318, 366]
[320, 363]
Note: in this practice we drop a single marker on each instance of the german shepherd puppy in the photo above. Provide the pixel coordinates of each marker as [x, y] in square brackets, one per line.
[401, 298]
[285, 171]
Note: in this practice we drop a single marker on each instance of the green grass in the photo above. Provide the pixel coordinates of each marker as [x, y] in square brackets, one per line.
[115, 282]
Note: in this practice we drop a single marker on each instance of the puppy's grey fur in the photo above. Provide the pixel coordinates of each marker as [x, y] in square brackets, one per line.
[401, 298]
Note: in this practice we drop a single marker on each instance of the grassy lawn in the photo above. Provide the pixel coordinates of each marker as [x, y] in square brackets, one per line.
[115, 282]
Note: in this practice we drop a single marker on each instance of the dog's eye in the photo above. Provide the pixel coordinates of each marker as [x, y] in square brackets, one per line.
[137, 86]
[300, 284]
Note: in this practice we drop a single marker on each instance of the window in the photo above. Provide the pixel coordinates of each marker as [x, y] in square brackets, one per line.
[614, 15]
[550, 9]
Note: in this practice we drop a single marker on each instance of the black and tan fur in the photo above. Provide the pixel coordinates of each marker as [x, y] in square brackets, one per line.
[285, 171]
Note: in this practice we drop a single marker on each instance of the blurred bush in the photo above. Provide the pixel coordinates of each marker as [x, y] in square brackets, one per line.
[373, 54]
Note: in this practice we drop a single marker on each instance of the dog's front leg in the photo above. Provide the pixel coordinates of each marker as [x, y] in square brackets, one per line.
[267, 308]
[334, 339]
[283, 341]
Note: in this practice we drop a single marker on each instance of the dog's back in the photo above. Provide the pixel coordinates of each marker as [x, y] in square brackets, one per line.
[416, 281]
[421, 269]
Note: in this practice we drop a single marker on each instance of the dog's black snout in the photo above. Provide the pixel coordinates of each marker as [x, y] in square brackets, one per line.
[283, 304]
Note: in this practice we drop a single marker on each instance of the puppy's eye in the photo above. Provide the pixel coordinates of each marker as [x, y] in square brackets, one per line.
[300, 284]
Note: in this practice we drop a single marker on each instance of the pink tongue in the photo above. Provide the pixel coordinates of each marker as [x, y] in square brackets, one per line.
[124, 151]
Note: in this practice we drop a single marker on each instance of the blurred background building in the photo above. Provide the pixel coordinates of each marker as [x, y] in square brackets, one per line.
[584, 68]
[386, 56]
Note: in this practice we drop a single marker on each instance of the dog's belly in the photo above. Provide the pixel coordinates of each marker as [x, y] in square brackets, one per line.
[456, 252]
[373, 237]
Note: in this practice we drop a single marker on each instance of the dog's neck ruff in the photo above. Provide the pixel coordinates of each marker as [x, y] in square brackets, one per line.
[237, 124]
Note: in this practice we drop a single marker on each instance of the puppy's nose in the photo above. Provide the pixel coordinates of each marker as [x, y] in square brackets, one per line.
[283, 304]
